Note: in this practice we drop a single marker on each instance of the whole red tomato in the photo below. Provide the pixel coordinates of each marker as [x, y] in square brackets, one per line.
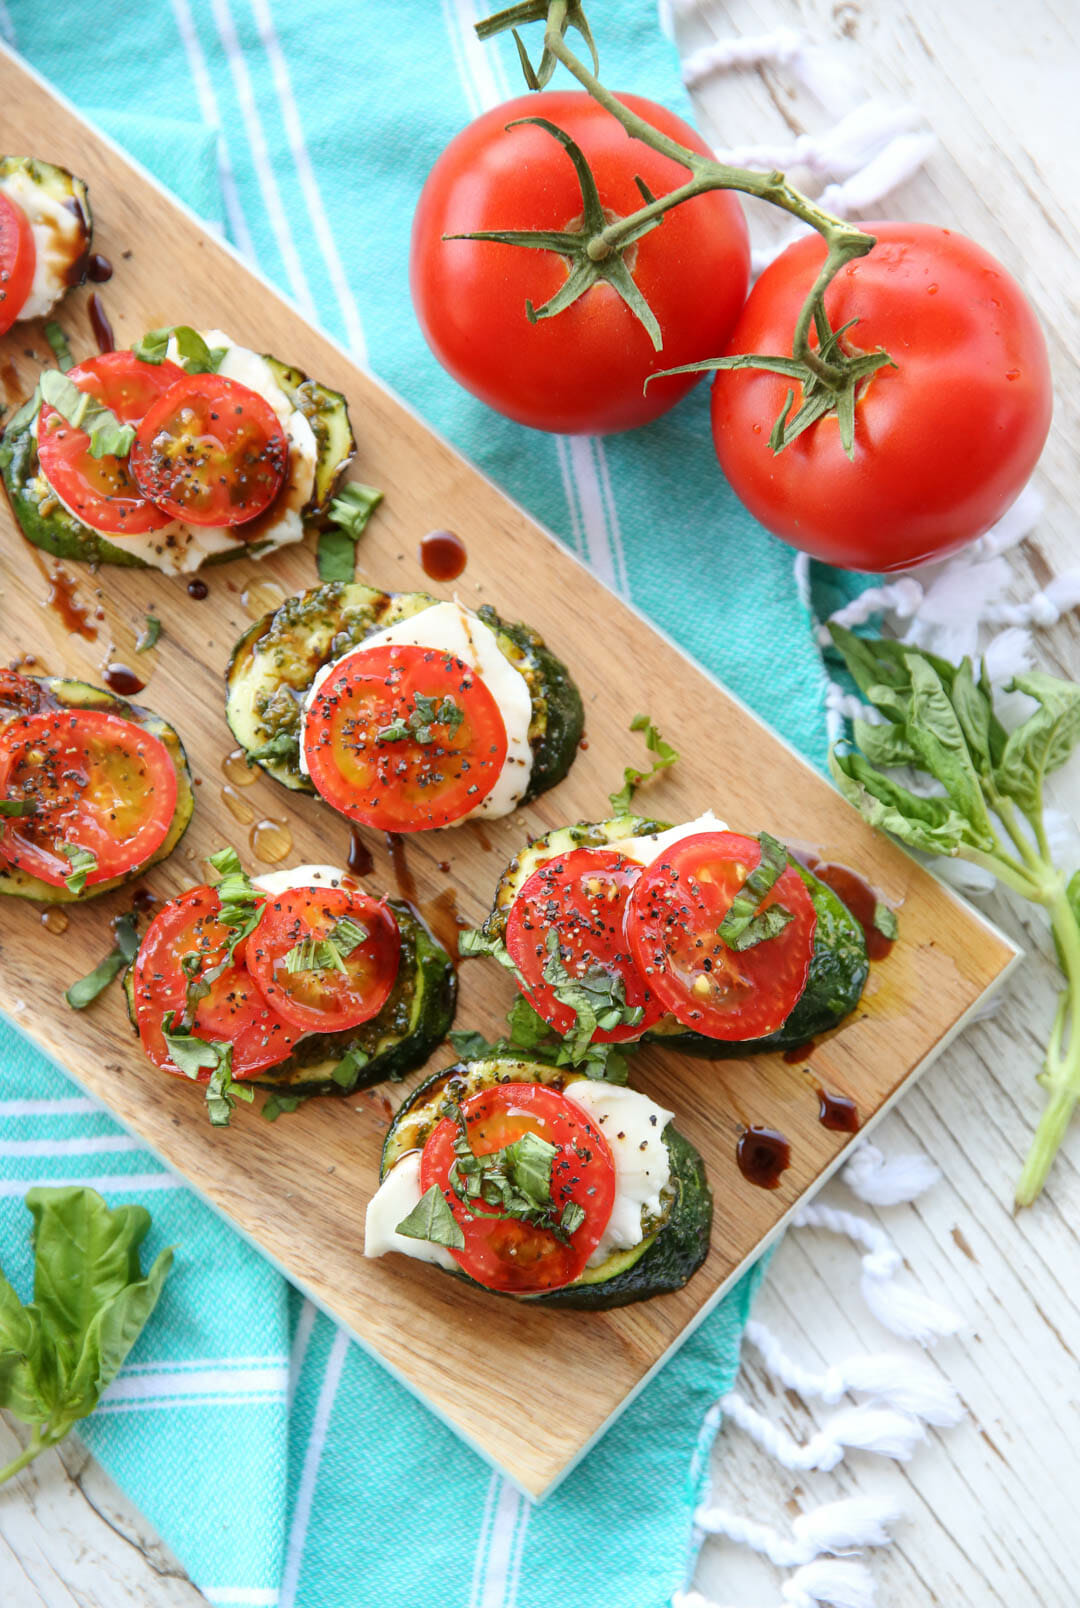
[583, 370]
[944, 442]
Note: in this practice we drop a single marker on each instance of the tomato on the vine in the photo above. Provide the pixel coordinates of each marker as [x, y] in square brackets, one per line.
[944, 442]
[583, 370]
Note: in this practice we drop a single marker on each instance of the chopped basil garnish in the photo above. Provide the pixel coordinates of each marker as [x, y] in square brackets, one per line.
[60, 348]
[516, 1179]
[194, 354]
[123, 952]
[347, 1072]
[431, 1219]
[223, 1091]
[335, 555]
[108, 437]
[768, 923]
[16, 807]
[758, 884]
[148, 636]
[632, 777]
[885, 921]
[424, 716]
[275, 1104]
[194, 1055]
[597, 997]
[82, 863]
[283, 745]
[190, 1054]
[329, 953]
[239, 913]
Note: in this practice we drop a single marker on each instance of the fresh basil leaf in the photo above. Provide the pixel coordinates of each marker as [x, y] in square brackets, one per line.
[431, 1219]
[885, 746]
[885, 921]
[1043, 742]
[194, 354]
[347, 1072]
[108, 437]
[757, 885]
[527, 1026]
[935, 732]
[634, 778]
[60, 348]
[930, 824]
[189, 1054]
[82, 863]
[475, 941]
[768, 923]
[22, 1387]
[239, 910]
[17, 808]
[125, 947]
[148, 636]
[275, 1104]
[223, 1090]
[25, 415]
[528, 1161]
[335, 553]
[597, 998]
[474, 1046]
[975, 712]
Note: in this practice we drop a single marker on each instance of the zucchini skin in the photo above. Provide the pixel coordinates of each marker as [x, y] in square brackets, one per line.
[668, 1257]
[839, 965]
[275, 661]
[59, 691]
[415, 1019]
[48, 525]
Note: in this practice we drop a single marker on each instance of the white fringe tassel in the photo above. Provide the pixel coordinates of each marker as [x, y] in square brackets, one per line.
[856, 1521]
[896, 1381]
[888, 1183]
[865, 1428]
[828, 1580]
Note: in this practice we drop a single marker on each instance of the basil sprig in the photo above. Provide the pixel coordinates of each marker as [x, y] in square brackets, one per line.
[424, 716]
[91, 1303]
[125, 948]
[743, 927]
[633, 778]
[940, 720]
[108, 437]
[350, 511]
[194, 354]
[329, 953]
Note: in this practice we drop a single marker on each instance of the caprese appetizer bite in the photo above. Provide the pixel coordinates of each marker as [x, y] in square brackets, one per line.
[45, 236]
[536, 1182]
[402, 712]
[187, 449]
[93, 790]
[693, 936]
[296, 981]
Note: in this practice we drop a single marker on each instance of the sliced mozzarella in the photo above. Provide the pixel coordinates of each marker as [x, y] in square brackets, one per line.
[178, 548]
[276, 883]
[450, 628]
[648, 848]
[633, 1126]
[391, 1203]
[60, 239]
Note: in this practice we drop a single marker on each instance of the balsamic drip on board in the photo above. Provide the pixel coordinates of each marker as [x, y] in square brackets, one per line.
[856, 893]
[99, 270]
[837, 1112]
[99, 323]
[442, 555]
[360, 860]
[122, 680]
[762, 1155]
[197, 588]
[441, 915]
[63, 599]
[403, 877]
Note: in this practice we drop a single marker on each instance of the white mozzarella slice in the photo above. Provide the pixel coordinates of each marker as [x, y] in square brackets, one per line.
[276, 883]
[178, 548]
[648, 848]
[633, 1126]
[391, 1203]
[60, 238]
[450, 628]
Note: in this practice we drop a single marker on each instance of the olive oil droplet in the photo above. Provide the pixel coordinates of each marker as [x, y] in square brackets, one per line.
[238, 807]
[261, 597]
[237, 769]
[271, 840]
[54, 921]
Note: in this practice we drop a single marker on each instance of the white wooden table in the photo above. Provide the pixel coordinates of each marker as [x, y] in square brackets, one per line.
[992, 1504]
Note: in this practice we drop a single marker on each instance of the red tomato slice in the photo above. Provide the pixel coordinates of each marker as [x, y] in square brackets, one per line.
[233, 1011]
[502, 1252]
[100, 783]
[102, 491]
[403, 784]
[325, 999]
[582, 896]
[18, 259]
[210, 451]
[672, 919]
[21, 695]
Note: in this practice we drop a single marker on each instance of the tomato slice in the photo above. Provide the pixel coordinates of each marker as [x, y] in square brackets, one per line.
[582, 896]
[406, 782]
[102, 491]
[671, 923]
[504, 1253]
[100, 783]
[233, 1011]
[22, 695]
[325, 998]
[210, 451]
[18, 259]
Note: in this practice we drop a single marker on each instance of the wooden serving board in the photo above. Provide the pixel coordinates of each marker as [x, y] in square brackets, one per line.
[298, 1188]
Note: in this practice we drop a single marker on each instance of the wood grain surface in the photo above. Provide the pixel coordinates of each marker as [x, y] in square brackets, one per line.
[298, 1188]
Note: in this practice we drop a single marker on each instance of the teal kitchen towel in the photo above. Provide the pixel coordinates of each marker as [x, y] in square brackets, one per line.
[282, 1464]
